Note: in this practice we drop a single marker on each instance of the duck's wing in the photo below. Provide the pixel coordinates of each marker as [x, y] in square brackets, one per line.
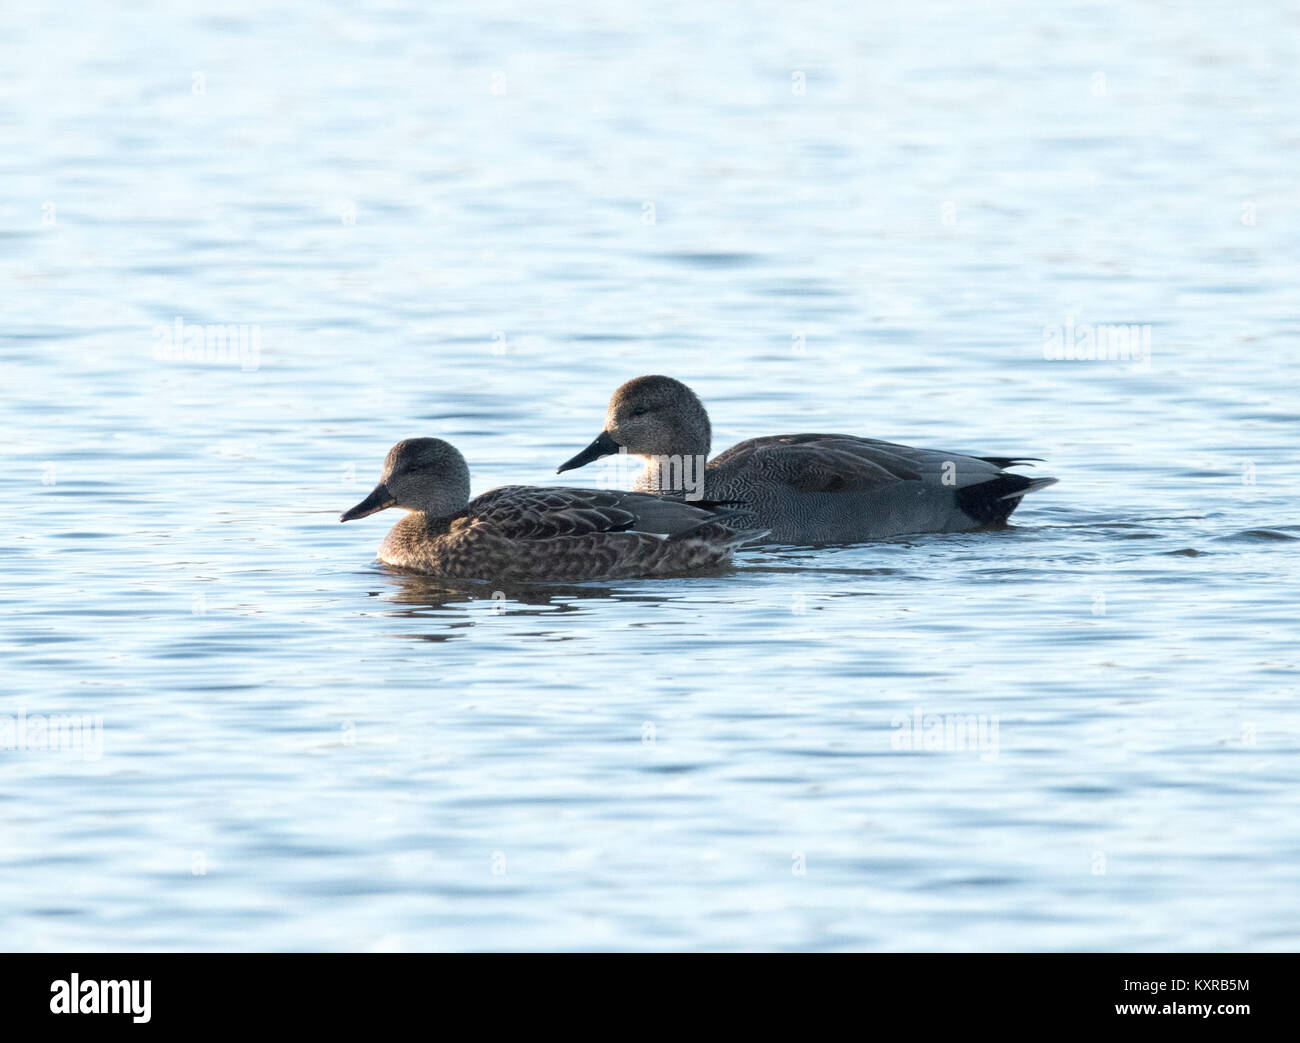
[833, 463]
[527, 512]
[815, 463]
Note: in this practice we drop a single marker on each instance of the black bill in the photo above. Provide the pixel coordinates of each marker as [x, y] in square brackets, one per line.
[602, 446]
[379, 498]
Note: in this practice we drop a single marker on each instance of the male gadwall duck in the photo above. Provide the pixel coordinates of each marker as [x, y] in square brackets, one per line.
[531, 533]
[806, 488]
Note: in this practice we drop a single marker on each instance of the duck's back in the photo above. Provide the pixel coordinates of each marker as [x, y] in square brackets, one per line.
[830, 488]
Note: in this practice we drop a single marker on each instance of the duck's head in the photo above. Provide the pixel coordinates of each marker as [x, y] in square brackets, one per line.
[650, 416]
[420, 474]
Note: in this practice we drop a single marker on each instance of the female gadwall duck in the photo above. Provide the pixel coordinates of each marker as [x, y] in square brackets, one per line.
[806, 488]
[530, 533]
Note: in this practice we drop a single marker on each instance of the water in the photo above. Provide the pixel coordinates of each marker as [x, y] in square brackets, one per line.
[475, 223]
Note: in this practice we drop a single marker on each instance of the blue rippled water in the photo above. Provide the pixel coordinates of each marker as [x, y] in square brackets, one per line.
[475, 222]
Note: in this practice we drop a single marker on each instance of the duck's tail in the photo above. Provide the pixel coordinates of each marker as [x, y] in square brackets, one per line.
[734, 527]
[991, 502]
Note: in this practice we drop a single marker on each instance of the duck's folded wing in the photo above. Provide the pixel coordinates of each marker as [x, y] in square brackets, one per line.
[819, 463]
[830, 463]
[520, 512]
[537, 512]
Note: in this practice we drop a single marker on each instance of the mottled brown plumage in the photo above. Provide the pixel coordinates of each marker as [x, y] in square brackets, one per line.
[532, 533]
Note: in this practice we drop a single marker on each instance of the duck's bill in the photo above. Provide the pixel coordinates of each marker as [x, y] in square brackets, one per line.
[602, 446]
[376, 501]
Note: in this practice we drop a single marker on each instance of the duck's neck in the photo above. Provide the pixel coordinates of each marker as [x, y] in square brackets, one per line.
[676, 474]
[416, 526]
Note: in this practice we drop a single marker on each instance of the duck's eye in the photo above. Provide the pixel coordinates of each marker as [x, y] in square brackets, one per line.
[640, 410]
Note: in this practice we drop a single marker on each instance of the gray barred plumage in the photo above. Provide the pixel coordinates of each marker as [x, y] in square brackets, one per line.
[808, 488]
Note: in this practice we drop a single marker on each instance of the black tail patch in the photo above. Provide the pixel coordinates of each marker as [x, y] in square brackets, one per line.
[991, 502]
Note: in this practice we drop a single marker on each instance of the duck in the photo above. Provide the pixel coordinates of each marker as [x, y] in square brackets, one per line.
[524, 533]
[805, 488]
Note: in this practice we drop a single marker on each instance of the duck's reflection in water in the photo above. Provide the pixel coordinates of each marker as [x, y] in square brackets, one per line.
[457, 605]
